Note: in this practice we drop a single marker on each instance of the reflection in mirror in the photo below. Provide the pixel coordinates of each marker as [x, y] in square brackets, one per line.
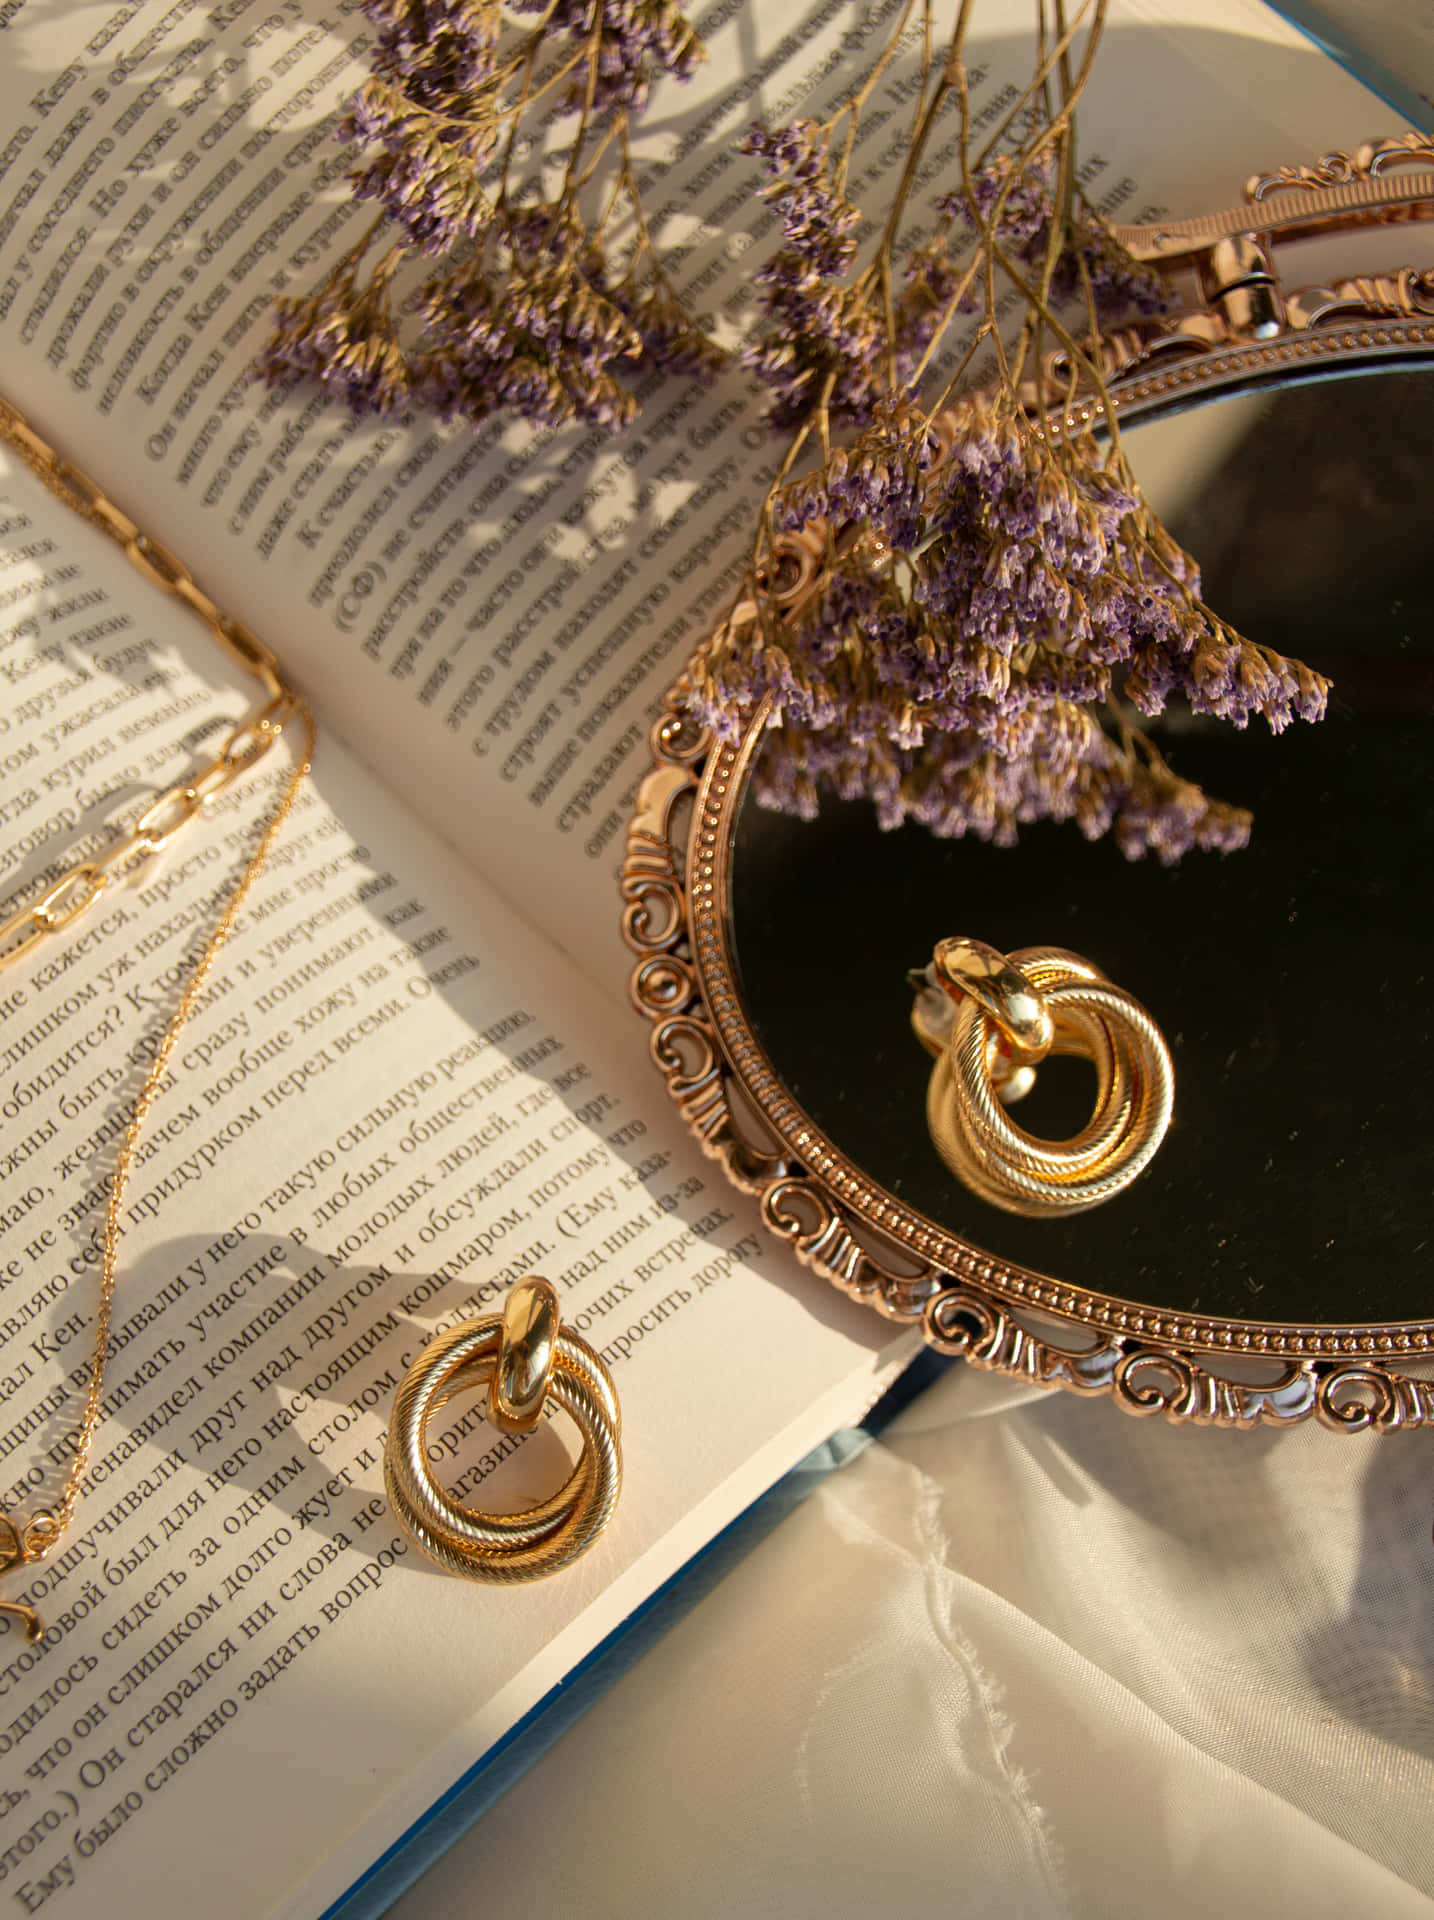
[1291, 980]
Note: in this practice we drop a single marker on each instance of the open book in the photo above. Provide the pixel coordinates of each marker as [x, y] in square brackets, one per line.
[414, 1078]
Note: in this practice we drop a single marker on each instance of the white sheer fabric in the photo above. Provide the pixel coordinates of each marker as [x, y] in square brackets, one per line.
[1024, 1657]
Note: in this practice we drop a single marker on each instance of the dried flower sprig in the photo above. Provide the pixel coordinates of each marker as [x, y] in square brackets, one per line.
[960, 612]
[540, 298]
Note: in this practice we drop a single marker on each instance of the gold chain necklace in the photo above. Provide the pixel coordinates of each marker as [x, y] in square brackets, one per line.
[77, 890]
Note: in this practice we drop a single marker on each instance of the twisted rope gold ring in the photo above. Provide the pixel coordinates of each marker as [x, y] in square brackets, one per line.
[990, 1018]
[520, 1356]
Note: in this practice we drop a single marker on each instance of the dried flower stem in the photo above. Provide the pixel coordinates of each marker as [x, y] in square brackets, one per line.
[852, 106]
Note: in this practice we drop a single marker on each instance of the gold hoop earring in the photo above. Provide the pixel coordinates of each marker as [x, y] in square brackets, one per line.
[990, 1018]
[521, 1356]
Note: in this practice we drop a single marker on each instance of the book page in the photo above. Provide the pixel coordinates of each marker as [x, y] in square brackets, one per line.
[394, 1100]
[491, 616]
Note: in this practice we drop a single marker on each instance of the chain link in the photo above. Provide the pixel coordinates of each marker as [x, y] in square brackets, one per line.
[158, 565]
[80, 886]
[77, 889]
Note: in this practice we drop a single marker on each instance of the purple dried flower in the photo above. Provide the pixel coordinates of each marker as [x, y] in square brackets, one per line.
[540, 344]
[1119, 285]
[431, 192]
[1154, 811]
[345, 342]
[1023, 189]
[670, 342]
[816, 218]
[1019, 193]
[878, 481]
[819, 337]
[439, 54]
[525, 315]
[791, 149]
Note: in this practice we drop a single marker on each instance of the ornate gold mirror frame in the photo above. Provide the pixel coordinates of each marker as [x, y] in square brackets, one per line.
[1244, 329]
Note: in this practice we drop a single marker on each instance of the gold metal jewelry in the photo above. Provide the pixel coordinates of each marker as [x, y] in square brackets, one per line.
[23, 1542]
[521, 1356]
[81, 886]
[990, 1018]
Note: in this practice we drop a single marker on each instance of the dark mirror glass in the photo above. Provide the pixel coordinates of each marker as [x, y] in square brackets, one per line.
[1291, 980]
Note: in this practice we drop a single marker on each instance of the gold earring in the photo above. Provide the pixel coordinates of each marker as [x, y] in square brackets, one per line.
[990, 1018]
[521, 1356]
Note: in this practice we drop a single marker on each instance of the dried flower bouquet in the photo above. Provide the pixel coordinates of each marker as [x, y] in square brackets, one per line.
[987, 604]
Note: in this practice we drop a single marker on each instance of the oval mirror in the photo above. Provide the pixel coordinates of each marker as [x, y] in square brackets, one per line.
[1271, 1262]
